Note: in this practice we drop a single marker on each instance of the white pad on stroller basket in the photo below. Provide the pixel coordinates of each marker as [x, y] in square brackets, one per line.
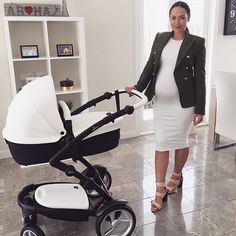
[62, 196]
[82, 121]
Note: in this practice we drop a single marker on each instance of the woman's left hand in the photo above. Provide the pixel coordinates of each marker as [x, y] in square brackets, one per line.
[197, 118]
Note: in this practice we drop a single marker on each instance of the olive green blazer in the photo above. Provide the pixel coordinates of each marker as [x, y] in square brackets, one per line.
[189, 72]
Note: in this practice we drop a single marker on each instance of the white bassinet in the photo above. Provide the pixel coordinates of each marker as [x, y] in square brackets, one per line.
[35, 129]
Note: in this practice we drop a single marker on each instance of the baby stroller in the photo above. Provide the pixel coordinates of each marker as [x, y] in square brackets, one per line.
[37, 131]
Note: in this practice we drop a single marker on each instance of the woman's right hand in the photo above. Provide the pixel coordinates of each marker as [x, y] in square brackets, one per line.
[128, 89]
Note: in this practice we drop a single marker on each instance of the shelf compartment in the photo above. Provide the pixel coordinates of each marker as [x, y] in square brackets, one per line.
[63, 33]
[30, 68]
[26, 33]
[75, 98]
[62, 69]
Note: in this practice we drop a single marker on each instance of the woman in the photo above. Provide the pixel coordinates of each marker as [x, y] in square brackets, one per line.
[175, 75]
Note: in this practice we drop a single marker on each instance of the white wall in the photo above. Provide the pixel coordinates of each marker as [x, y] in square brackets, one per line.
[110, 45]
[222, 52]
[224, 48]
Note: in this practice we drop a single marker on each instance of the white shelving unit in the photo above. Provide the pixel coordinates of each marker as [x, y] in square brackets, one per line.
[46, 33]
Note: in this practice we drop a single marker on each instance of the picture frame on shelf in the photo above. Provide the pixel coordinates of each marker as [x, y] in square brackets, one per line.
[230, 17]
[65, 50]
[30, 79]
[29, 51]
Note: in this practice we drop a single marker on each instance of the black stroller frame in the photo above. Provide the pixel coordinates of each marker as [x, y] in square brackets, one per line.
[92, 179]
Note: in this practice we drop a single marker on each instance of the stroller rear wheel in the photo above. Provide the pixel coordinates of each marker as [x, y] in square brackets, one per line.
[117, 220]
[105, 175]
[32, 230]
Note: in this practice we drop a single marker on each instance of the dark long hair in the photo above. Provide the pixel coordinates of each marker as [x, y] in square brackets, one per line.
[183, 5]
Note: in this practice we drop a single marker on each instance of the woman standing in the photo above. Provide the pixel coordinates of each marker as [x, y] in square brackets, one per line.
[175, 75]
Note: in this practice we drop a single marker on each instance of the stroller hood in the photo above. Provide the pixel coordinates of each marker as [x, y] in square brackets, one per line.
[33, 116]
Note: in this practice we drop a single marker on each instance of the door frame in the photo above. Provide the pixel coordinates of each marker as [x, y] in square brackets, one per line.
[138, 56]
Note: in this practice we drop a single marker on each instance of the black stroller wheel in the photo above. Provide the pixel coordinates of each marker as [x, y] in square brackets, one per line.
[32, 230]
[106, 177]
[118, 220]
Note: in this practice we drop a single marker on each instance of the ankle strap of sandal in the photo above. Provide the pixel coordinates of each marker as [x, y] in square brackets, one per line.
[175, 181]
[176, 174]
[160, 184]
[160, 194]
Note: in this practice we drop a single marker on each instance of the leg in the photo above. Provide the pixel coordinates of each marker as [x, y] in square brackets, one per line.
[161, 164]
[181, 156]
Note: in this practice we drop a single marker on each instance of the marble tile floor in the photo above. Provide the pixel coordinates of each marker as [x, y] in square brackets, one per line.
[206, 205]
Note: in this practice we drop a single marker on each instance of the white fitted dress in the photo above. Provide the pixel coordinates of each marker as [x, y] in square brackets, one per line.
[171, 121]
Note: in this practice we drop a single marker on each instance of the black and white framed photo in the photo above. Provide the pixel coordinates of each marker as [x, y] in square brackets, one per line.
[65, 50]
[230, 18]
[28, 51]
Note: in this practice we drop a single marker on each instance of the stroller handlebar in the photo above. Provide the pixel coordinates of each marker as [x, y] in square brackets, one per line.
[109, 95]
[143, 98]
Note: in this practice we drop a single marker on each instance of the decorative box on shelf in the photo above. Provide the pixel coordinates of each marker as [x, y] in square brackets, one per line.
[67, 85]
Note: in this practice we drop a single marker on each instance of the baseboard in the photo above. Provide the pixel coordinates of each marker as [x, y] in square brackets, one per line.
[129, 134]
[147, 132]
[5, 154]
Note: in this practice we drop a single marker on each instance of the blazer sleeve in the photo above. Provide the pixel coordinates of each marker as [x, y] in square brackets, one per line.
[200, 74]
[147, 73]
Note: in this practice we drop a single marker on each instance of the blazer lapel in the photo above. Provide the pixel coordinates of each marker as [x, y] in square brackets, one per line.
[187, 43]
[161, 42]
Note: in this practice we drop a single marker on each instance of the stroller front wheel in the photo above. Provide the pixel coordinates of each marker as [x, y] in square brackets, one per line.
[31, 230]
[118, 220]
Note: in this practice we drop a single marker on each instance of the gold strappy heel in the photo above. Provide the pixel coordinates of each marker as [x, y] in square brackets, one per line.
[156, 206]
[175, 183]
